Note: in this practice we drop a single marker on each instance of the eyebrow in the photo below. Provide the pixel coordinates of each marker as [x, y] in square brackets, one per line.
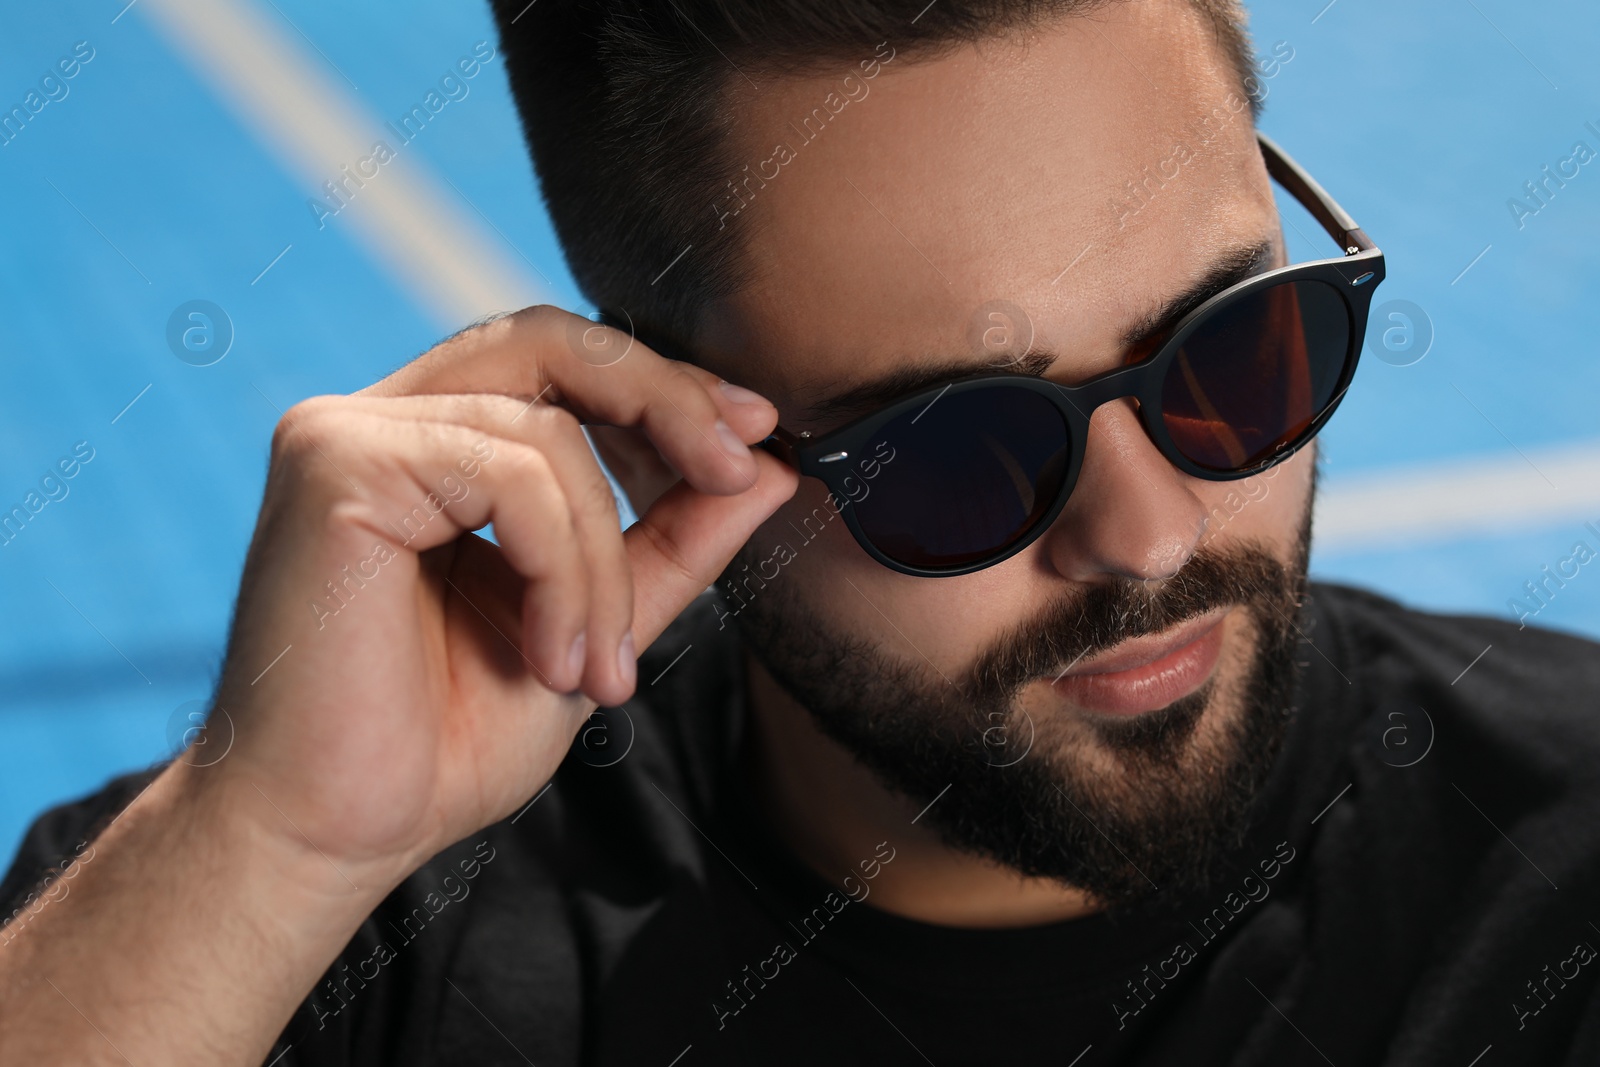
[1228, 269]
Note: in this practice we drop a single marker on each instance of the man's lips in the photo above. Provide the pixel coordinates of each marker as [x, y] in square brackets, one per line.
[1146, 673]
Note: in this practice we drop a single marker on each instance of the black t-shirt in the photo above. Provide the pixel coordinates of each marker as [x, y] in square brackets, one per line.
[1420, 884]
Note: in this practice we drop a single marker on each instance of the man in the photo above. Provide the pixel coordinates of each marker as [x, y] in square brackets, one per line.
[1012, 733]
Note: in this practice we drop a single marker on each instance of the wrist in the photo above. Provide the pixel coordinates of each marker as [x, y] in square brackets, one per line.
[297, 892]
[191, 937]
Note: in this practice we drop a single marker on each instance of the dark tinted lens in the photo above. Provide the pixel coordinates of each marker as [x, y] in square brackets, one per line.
[969, 475]
[1255, 375]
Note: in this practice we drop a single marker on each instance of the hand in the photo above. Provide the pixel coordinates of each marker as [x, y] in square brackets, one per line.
[395, 681]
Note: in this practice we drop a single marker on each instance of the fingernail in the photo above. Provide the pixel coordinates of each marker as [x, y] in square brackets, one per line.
[575, 657]
[740, 395]
[627, 659]
[730, 440]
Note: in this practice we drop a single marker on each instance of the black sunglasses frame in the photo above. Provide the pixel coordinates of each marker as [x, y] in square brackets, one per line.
[1354, 276]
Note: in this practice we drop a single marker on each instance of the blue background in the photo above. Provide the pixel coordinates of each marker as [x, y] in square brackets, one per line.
[144, 188]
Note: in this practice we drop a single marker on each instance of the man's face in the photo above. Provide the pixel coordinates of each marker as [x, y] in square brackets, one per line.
[1000, 179]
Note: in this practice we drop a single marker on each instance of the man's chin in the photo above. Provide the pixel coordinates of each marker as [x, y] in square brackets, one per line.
[1118, 806]
[1028, 776]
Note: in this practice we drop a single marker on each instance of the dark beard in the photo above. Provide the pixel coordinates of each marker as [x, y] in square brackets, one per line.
[1118, 808]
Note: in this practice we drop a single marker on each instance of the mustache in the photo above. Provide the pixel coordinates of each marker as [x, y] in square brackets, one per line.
[1114, 611]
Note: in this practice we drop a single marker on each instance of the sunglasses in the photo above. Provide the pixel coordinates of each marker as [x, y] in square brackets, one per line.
[967, 474]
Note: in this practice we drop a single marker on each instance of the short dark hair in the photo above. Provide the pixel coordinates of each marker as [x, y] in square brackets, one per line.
[623, 106]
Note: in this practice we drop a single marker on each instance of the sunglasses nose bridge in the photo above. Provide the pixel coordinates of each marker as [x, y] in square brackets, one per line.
[1088, 397]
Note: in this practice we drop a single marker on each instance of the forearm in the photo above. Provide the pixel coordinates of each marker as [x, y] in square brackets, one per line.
[188, 938]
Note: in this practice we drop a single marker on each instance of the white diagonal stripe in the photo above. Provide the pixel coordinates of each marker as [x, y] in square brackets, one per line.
[409, 223]
[1459, 498]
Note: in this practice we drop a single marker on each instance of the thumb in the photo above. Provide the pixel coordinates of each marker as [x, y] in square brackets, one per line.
[683, 542]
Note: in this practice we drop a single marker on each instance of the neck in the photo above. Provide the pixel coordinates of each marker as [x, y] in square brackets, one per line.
[833, 814]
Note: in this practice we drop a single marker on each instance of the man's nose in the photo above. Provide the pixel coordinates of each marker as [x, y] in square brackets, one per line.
[1132, 513]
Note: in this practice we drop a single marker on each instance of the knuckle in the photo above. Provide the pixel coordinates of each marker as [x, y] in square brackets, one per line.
[698, 376]
[528, 466]
[501, 409]
[688, 390]
[602, 500]
[679, 376]
[538, 317]
[539, 491]
[484, 332]
[556, 420]
[531, 471]
[303, 425]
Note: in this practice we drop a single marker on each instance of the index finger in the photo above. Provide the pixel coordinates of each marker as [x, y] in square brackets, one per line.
[538, 354]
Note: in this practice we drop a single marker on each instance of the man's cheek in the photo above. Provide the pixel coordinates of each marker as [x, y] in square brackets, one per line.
[811, 521]
[1274, 504]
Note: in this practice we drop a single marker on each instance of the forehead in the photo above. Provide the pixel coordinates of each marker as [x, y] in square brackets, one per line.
[1079, 171]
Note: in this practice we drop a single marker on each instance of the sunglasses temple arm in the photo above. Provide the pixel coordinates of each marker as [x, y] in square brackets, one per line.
[1340, 226]
[782, 444]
